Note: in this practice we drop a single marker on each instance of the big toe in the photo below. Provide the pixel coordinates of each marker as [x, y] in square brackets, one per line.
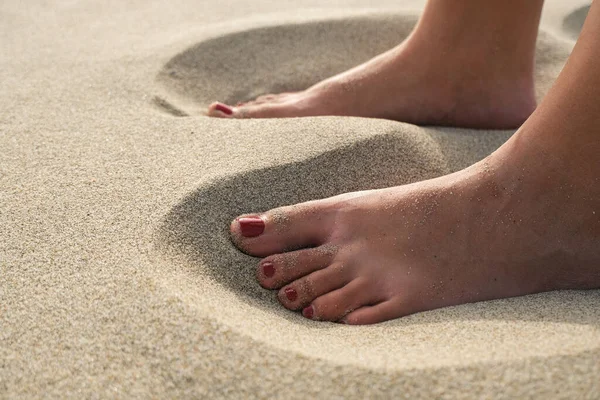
[282, 230]
[221, 110]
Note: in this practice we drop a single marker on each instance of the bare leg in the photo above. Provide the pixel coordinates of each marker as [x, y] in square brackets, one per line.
[524, 220]
[465, 64]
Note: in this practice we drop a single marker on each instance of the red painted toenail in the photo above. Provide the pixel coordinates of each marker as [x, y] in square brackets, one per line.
[291, 294]
[251, 226]
[268, 269]
[224, 108]
[308, 312]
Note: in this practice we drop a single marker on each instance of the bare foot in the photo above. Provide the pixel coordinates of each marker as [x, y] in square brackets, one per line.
[514, 224]
[405, 86]
[464, 65]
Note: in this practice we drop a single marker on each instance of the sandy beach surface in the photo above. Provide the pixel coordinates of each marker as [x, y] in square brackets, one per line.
[117, 276]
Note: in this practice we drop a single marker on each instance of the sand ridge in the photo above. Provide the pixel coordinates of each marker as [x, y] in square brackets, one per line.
[117, 278]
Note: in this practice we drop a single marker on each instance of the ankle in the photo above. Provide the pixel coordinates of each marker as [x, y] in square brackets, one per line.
[554, 199]
[488, 48]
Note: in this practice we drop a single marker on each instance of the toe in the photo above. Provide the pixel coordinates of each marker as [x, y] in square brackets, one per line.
[220, 110]
[303, 291]
[268, 106]
[271, 109]
[336, 304]
[280, 269]
[283, 229]
[384, 311]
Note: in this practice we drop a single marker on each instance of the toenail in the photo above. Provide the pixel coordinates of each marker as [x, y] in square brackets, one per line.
[308, 312]
[223, 108]
[268, 269]
[342, 321]
[291, 294]
[251, 226]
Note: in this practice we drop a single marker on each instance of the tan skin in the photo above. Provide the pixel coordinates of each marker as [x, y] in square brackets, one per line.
[524, 220]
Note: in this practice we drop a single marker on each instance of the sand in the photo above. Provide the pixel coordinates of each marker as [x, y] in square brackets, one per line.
[117, 278]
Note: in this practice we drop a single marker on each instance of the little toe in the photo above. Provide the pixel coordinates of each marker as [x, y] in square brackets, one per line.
[336, 304]
[303, 291]
[384, 311]
[277, 270]
[282, 230]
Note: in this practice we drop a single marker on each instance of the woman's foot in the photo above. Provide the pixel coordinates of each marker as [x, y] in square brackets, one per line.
[404, 85]
[513, 224]
[524, 220]
[464, 65]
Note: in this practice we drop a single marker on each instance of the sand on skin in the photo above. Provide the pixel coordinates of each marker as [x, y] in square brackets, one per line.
[117, 278]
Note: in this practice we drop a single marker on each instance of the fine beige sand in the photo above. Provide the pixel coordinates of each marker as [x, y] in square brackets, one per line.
[117, 278]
